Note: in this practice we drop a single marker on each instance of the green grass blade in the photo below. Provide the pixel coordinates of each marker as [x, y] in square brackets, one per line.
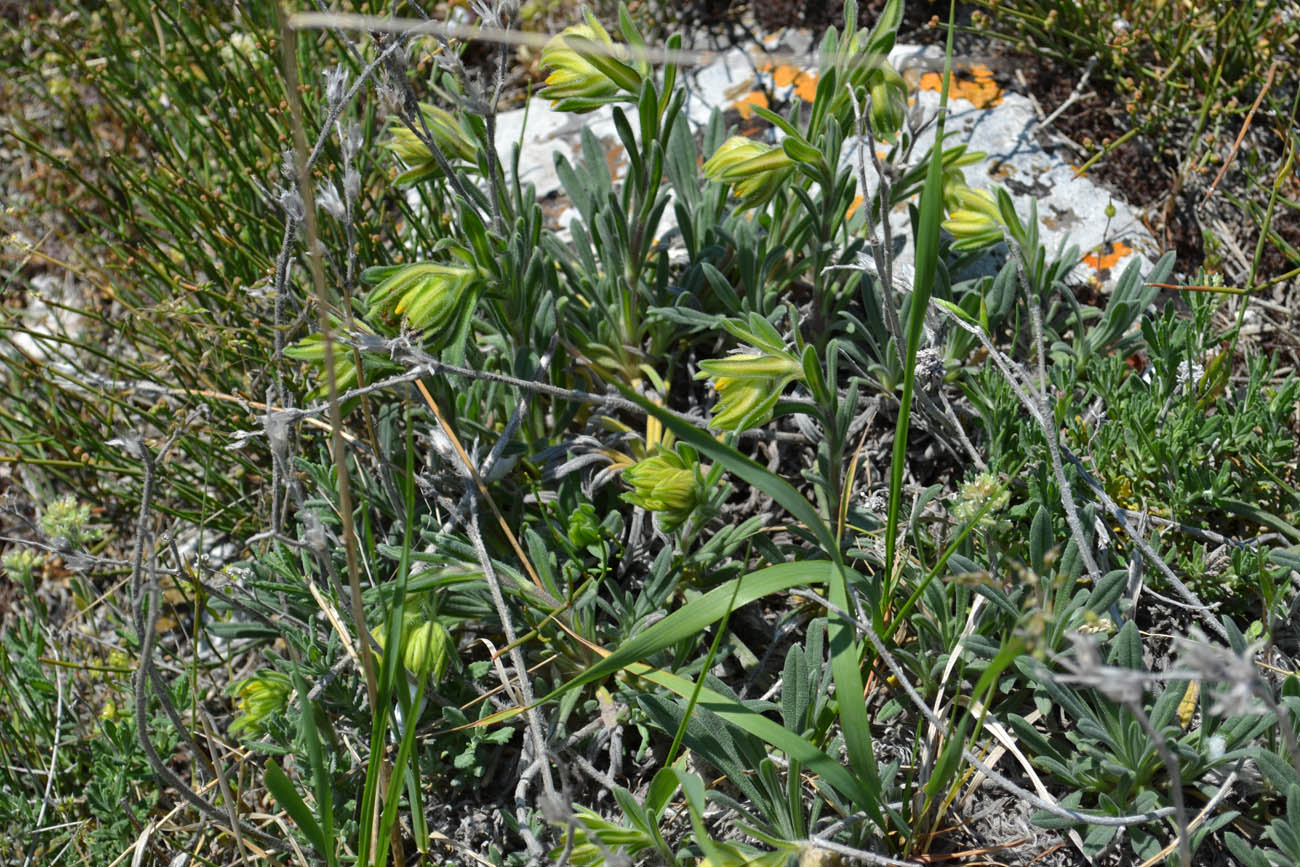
[772, 733]
[291, 802]
[707, 666]
[400, 764]
[390, 668]
[927, 259]
[846, 668]
[699, 614]
[320, 777]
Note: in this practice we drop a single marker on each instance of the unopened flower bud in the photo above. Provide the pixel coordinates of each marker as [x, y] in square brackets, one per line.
[888, 102]
[427, 650]
[65, 523]
[664, 484]
[258, 698]
[977, 493]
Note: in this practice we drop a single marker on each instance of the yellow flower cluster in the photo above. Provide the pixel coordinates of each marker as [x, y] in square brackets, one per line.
[426, 294]
[581, 79]
[973, 217]
[748, 386]
[257, 698]
[754, 170]
[447, 134]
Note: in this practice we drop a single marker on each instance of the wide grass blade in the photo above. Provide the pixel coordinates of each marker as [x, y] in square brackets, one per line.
[846, 651]
[389, 671]
[319, 773]
[282, 789]
[927, 261]
[773, 733]
[698, 615]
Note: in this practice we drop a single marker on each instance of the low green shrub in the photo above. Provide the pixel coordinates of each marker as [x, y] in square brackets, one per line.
[601, 537]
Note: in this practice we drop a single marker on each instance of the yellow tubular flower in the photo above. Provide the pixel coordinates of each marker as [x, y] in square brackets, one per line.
[971, 199]
[426, 293]
[754, 170]
[258, 697]
[577, 83]
[748, 386]
[742, 404]
[973, 218]
[752, 366]
[448, 135]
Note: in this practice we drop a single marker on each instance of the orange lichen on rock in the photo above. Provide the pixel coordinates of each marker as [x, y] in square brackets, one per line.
[745, 105]
[614, 158]
[979, 88]
[853, 206]
[805, 83]
[1107, 256]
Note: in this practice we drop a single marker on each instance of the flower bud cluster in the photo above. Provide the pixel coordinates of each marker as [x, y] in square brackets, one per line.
[748, 385]
[413, 150]
[65, 521]
[754, 170]
[974, 218]
[977, 493]
[666, 484]
[426, 294]
[583, 80]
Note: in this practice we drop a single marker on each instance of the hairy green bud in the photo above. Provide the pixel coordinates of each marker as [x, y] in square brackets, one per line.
[666, 485]
[754, 170]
